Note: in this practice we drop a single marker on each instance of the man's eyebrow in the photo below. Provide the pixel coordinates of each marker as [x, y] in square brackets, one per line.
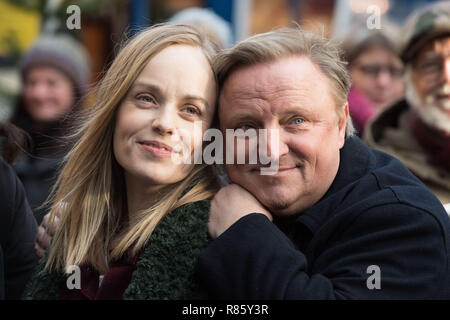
[243, 117]
[295, 112]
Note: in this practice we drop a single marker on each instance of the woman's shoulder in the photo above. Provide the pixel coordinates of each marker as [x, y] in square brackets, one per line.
[197, 207]
[43, 285]
[176, 242]
[187, 217]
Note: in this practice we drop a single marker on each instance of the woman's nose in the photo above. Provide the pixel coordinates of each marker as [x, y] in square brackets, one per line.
[37, 91]
[164, 121]
[384, 79]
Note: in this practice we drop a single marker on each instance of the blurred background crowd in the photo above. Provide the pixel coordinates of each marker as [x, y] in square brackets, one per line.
[104, 23]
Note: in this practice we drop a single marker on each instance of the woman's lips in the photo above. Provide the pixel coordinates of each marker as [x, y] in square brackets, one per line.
[157, 149]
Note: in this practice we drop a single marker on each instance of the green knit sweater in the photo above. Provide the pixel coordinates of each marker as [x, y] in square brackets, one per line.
[165, 269]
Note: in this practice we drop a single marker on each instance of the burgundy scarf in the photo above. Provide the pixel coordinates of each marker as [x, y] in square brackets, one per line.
[435, 142]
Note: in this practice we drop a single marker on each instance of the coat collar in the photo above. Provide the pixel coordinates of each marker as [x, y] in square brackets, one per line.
[355, 160]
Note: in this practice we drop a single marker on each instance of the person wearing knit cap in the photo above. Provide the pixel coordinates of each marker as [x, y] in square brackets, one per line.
[62, 52]
[55, 75]
[215, 27]
[416, 130]
[375, 69]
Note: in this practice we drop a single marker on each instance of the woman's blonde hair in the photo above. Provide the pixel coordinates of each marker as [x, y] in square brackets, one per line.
[285, 42]
[90, 191]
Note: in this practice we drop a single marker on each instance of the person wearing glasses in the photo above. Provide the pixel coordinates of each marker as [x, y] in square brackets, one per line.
[376, 72]
[416, 130]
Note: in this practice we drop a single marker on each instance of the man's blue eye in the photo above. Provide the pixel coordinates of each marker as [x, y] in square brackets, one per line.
[297, 121]
[246, 127]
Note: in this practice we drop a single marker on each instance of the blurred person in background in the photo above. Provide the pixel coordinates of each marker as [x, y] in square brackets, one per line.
[55, 75]
[416, 130]
[375, 69]
[17, 223]
[208, 22]
[133, 219]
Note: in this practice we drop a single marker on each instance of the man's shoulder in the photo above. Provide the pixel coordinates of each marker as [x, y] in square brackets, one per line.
[385, 180]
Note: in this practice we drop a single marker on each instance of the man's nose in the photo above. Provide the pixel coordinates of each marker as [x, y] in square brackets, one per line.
[276, 143]
[163, 123]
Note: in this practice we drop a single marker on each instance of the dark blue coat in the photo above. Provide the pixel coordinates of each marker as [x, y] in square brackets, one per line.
[378, 233]
[17, 233]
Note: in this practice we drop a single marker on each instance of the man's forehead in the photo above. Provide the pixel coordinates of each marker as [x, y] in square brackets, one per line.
[437, 46]
[288, 73]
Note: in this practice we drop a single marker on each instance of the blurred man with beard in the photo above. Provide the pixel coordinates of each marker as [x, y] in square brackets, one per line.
[417, 130]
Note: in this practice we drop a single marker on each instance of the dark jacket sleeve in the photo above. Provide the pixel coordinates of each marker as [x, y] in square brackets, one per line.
[18, 231]
[253, 259]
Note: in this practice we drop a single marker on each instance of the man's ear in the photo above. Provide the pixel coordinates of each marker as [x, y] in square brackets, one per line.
[342, 126]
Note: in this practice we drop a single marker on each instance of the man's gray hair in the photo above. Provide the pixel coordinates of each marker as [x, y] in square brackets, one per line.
[281, 43]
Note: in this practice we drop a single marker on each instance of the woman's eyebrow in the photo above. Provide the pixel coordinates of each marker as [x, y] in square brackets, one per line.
[197, 98]
[156, 90]
[149, 86]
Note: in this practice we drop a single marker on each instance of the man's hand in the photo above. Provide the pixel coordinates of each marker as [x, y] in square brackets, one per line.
[44, 235]
[229, 205]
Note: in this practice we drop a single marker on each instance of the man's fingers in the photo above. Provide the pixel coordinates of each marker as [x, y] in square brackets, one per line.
[51, 228]
[39, 251]
[42, 238]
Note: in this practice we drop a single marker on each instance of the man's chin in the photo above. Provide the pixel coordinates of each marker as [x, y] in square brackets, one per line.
[434, 113]
[444, 107]
[437, 116]
[280, 206]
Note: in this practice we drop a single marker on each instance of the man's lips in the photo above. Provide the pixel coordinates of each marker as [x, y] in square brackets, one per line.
[443, 96]
[443, 103]
[277, 172]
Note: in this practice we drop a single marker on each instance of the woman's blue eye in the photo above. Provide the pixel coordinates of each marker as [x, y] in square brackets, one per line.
[146, 98]
[191, 110]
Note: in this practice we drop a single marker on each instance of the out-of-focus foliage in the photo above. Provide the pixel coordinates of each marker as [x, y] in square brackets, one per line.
[88, 6]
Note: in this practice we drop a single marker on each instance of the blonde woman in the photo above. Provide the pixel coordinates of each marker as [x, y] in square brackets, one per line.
[134, 220]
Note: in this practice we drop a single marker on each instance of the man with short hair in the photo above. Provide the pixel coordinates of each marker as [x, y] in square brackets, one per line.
[416, 130]
[338, 220]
